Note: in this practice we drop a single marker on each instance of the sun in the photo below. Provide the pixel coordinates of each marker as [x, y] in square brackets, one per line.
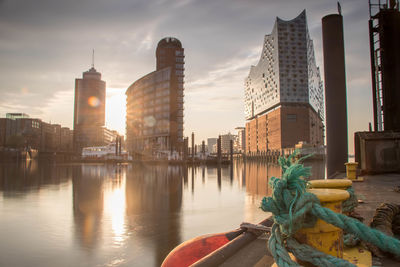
[116, 109]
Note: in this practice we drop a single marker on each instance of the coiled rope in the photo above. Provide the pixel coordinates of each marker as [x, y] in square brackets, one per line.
[293, 208]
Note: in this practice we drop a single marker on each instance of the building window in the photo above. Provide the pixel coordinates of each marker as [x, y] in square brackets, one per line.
[35, 124]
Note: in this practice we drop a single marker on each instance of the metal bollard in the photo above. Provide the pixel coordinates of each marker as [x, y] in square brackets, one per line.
[351, 168]
[331, 183]
[324, 236]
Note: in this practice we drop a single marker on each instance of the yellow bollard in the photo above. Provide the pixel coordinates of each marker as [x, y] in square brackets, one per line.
[356, 255]
[330, 183]
[324, 236]
[351, 168]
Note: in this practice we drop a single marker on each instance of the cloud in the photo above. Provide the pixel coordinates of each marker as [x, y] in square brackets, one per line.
[234, 68]
[58, 109]
[47, 44]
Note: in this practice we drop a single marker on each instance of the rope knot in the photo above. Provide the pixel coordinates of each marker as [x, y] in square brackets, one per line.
[294, 208]
[290, 203]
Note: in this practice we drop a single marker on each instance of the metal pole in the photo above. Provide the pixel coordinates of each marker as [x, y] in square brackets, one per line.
[373, 70]
[219, 149]
[192, 145]
[231, 150]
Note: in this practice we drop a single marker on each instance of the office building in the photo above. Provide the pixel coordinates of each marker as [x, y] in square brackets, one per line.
[154, 104]
[284, 101]
[89, 110]
[226, 142]
[14, 116]
[21, 131]
[211, 145]
[241, 139]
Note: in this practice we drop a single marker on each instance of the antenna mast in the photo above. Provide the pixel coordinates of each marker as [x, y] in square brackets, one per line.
[93, 58]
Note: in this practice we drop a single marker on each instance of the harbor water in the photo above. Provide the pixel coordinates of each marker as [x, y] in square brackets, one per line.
[122, 215]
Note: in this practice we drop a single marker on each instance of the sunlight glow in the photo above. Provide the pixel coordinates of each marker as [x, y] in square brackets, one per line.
[93, 101]
[116, 109]
[24, 90]
[114, 203]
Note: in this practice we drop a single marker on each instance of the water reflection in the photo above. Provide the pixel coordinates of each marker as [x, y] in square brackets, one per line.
[256, 175]
[114, 202]
[88, 203]
[31, 176]
[154, 201]
[123, 215]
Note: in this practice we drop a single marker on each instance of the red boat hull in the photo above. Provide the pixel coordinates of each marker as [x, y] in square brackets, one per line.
[197, 248]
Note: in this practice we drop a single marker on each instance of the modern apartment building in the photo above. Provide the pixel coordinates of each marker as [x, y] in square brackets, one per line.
[154, 104]
[211, 145]
[241, 139]
[226, 142]
[284, 101]
[89, 110]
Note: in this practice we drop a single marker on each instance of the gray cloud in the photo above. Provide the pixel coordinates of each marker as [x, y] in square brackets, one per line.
[46, 44]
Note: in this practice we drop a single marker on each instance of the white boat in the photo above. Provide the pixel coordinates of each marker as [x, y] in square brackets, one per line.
[103, 152]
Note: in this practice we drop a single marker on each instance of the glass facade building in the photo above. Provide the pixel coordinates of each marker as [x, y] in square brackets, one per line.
[89, 110]
[154, 113]
[287, 71]
[286, 84]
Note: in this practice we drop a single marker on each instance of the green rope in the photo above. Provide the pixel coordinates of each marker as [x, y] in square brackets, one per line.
[348, 206]
[294, 208]
[277, 248]
[307, 253]
[350, 240]
[351, 203]
[350, 225]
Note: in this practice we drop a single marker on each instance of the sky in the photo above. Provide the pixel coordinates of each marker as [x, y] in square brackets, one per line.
[46, 44]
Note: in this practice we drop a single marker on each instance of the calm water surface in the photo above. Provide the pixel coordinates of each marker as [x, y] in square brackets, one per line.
[122, 215]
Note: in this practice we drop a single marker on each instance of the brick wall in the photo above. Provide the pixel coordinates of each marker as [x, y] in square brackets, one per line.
[283, 128]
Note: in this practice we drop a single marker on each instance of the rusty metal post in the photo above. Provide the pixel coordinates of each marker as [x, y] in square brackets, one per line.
[219, 150]
[192, 145]
[185, 148]
[231, 150]
[203, 149]
[335, 92]
[324, 236]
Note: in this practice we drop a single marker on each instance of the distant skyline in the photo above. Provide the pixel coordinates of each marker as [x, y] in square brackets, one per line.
[47, 44]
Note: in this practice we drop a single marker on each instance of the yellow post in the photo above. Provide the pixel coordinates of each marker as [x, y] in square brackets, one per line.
[331, 183]
[351, 168]
[324, 236]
